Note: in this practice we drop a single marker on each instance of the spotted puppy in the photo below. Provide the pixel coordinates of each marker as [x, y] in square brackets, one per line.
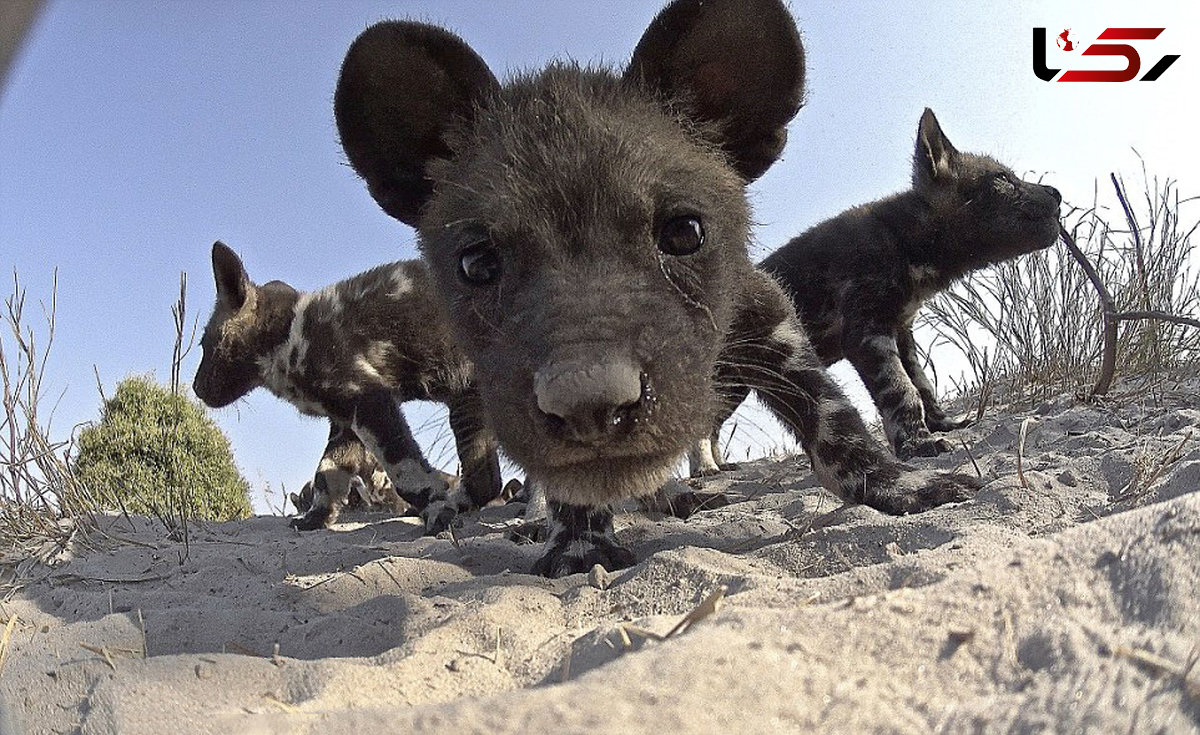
[857, 280]
[351, 352]
[367, 485]
[588, 231]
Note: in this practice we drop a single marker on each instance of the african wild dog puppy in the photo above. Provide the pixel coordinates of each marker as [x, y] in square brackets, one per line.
[857, 280]
[367, 484]
[351, 352]
[588, 231]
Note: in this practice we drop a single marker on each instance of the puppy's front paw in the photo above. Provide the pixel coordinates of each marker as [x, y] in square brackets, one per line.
[580, 537]
[528, 532]
[315, 518]
[581, 556]
[442, 512]
[437, 517]
[943, 423]
[917, 490]
[922, 445]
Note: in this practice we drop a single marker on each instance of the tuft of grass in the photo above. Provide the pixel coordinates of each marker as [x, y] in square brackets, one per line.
[1033, 327]
[156, 452]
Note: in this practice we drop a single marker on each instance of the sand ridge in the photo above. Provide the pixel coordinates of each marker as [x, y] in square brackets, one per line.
[1066, 601]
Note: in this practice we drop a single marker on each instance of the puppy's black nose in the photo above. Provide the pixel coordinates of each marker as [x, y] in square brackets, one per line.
[1054, 193]
[591, 403]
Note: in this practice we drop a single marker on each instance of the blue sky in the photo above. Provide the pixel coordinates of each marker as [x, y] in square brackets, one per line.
[133, 134]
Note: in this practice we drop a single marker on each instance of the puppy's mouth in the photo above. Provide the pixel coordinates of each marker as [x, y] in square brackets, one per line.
[212, 398]
[1038, 211]
[567, 453]
[1053, 227]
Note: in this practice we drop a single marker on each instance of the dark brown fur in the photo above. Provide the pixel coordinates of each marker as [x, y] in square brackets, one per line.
[857, 280]
[588, 231]
[351, 352]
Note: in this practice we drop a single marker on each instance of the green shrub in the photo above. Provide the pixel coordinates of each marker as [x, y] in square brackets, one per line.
[157, 453]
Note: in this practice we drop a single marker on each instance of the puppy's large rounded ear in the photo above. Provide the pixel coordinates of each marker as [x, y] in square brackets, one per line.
[400, 86]
[737, 64]
[233, 284]
[934, 157]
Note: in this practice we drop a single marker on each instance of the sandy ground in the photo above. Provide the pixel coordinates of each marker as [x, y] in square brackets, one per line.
[1065, 603]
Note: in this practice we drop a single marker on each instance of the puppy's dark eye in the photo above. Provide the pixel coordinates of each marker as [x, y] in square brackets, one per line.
[479, 265]
[681, 236]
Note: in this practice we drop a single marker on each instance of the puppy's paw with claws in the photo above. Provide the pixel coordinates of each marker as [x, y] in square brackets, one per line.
[581, 556]
[312, 520]
[914, 490]
[528, 532]
[943, 423]
[922, 445]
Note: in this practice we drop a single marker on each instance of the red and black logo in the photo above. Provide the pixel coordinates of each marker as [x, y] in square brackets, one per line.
[1133, 62]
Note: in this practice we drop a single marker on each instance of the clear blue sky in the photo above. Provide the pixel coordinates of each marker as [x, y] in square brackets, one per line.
[133, 134]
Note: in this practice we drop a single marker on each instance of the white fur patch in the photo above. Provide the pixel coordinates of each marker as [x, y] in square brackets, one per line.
[401, 283]
[923, 274]
[278, 367]
[794, 341]
[364, 366]
[701, 458]
[370, 364]
[408, 475]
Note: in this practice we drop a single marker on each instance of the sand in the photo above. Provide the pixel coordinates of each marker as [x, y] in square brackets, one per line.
[1066, 601]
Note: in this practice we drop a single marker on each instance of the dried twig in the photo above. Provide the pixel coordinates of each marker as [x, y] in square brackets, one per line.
[1021, 452]
[5, 638]
[1108, 355]
[1161, 316]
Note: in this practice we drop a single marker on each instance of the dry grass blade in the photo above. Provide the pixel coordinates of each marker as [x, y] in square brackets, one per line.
[1160, 665]
[142, 627]
[4, 640]
[971, 456]
[40, 497]
[707, 607]
[106, 653]
[1132, 492]
[1021, 452]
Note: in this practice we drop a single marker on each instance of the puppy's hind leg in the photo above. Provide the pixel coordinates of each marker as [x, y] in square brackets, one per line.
[330, 487]
[377, 421]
